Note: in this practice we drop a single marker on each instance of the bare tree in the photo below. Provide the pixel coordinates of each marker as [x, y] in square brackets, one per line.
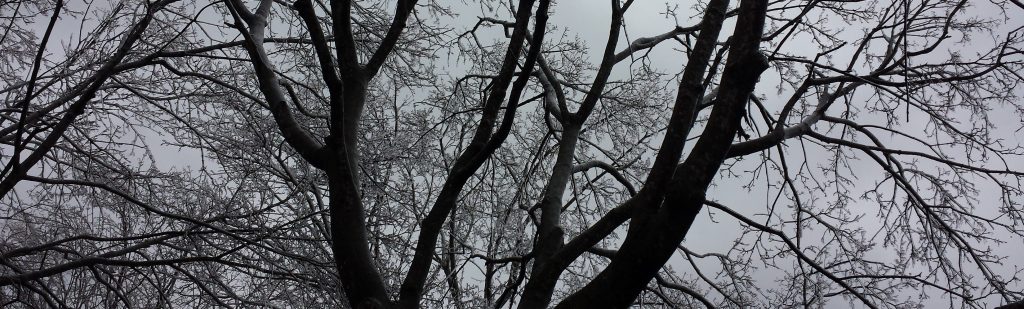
[379, 154]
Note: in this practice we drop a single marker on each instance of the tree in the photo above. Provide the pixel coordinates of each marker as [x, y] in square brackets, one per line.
[377, 154]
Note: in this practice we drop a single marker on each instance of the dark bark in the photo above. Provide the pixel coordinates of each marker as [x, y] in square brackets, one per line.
[550, 237]
[654, 235]
[690, 91]
[483, 144]
[349, 244]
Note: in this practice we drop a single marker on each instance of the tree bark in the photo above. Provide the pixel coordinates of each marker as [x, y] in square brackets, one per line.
[654, 235]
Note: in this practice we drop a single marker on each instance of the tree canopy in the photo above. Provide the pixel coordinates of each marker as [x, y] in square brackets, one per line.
[520, 153]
